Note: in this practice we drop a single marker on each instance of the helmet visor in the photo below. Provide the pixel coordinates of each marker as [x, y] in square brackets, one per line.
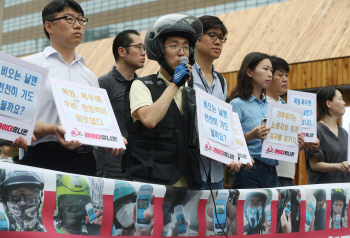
[68, 201]
[167, 21]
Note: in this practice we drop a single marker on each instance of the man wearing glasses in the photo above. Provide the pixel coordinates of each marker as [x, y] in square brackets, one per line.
[208, 49]
[129, 53]
[64, 24]
[156, 107]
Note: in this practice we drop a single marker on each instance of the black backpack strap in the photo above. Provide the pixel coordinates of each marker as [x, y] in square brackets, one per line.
[190, 83]
[222, 81]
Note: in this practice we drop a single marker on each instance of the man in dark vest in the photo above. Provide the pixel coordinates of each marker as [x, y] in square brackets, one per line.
[158, 108]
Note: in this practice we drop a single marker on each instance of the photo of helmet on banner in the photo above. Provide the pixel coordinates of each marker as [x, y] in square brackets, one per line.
[180, 212]
[288, 210]
[221, 214]
[339, 208]
[316, 209]
[21, 199]
[79, 205]
[132, 209]
[257, 212]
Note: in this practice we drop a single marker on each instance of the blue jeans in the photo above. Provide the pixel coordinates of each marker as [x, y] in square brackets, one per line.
[260, 175]
[217, 185]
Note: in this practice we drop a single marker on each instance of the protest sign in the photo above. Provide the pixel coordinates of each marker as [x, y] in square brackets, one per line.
[306, 101]
[86, 114]
[215, 128]
[21, 88]
[282, 141]
[241, 144]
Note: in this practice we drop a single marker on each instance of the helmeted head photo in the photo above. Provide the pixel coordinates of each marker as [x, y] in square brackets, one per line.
[288, 210]
[21, 200]
[257, 212]
[316, 209]
[221, 213]
[79, 205]
[339, 208]
[180, 212]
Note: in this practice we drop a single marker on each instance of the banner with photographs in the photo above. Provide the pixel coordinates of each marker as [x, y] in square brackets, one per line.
[42, 203]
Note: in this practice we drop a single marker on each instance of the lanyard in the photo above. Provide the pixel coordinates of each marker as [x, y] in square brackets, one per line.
[204, 83]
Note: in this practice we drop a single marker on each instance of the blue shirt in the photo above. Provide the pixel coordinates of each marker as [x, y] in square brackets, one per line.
[214, 168]
[250, 114]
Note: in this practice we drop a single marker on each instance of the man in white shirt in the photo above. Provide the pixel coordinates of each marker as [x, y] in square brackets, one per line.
[64, 24]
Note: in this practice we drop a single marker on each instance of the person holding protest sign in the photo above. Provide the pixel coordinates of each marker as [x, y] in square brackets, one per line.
[208, 48]
[278, 87]
[249, 102]
[129, 53]
[157, 108]
[328, 163]
[64, 24]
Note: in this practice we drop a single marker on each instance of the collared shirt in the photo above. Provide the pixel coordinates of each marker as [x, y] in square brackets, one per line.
[250, 113]
[8, 160]
[284, 169]
[214, 168]
[75, 72]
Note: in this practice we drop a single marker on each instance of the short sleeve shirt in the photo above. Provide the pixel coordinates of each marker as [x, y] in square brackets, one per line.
[332, 149]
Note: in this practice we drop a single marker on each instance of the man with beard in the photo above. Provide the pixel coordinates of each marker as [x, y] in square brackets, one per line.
[21, 194]
[254, 212]
[72, 195]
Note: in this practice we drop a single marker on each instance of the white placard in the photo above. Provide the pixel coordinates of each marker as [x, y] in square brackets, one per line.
[215, 128]
[282, 141]
[86, 114]
[241, 144]
[306, 101]
[21, 89]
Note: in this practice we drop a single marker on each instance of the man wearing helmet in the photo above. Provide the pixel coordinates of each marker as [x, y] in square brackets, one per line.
[156, 107]
[338, 200]
[72, 195]
[124, 205]
[254, 213]
[21, 195]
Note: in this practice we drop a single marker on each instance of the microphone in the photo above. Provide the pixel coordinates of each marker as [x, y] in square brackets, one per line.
[183, 59]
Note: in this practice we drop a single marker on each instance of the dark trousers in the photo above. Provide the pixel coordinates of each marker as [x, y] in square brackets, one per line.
[284, 182]
[260, 175]
[52, 155]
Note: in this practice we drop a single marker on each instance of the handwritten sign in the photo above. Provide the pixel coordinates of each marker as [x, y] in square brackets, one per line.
[86, 114]
[306, 101]
[21, 88]
[215, 127]
[241, 144]
[282, 141]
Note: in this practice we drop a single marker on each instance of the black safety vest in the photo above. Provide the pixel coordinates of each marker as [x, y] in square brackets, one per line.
[162, 154]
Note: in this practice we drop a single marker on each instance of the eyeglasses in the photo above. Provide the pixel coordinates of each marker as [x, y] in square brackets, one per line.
[214, 36]
[176, 49]
[142, 48]
[72, 20]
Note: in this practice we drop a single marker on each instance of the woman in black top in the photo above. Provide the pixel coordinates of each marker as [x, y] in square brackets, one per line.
[328, 163]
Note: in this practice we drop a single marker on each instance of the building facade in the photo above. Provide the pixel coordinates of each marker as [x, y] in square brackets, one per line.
[22, 28]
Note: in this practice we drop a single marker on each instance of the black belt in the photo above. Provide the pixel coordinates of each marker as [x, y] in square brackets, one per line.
[57, 146]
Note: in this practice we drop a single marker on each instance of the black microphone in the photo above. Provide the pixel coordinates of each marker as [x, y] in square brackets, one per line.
[183, 59]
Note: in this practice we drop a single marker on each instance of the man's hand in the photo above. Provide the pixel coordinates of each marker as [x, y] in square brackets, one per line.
[231, 219]
[301, 141]
[60, 132]
[116, 151]
[249, 164]
[314, 146]
[20, 142]
[181, 75]
[234, 166]
[286, 223]
[176, 229]
[98, 221]
[148, 214]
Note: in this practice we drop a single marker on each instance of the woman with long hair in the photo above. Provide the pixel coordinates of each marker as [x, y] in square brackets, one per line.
[249, 102]
[328, 163]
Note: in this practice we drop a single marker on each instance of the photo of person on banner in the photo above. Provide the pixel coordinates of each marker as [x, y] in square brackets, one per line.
[288, 210]
[22, 198]
[74, 212]
[225, 213]
[316, 221]
[133, 212]
[257, 213]
[180, 212]
[339, 209]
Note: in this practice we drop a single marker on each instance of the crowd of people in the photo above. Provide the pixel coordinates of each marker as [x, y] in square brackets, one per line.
[156, 113]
